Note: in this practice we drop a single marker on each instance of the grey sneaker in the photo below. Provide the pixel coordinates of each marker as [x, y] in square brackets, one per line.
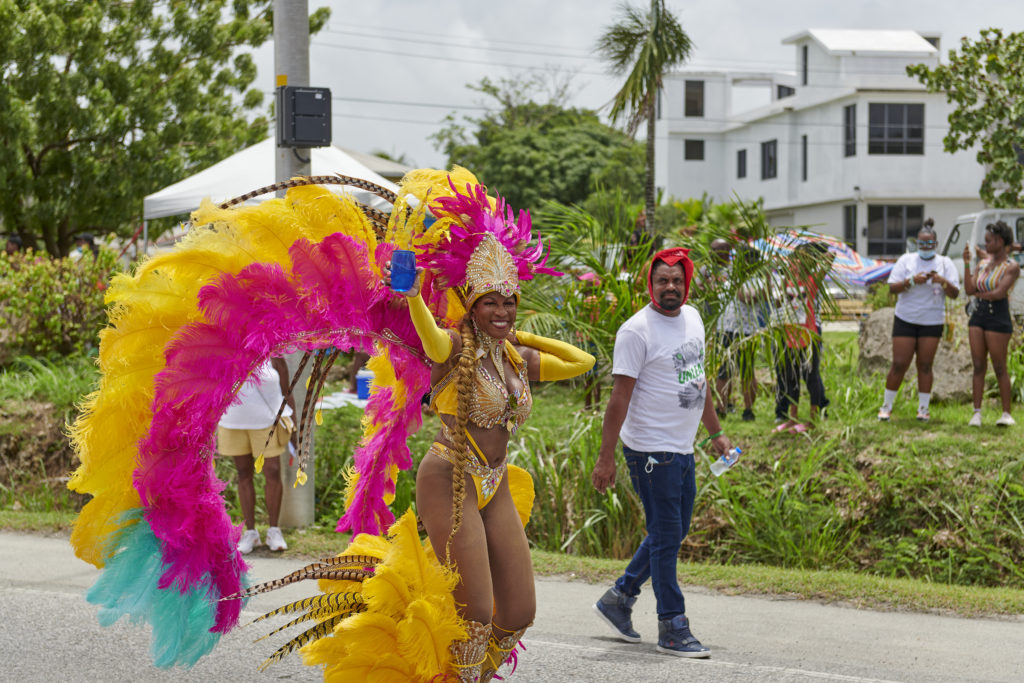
[674, 638]
[616, 610]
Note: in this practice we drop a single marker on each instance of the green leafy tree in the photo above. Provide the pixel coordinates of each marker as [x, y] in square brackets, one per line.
[985, 80]
[643, 46]
[530, 152]
[104, 101]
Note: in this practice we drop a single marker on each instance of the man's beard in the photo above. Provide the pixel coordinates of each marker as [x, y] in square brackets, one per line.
[670, 302]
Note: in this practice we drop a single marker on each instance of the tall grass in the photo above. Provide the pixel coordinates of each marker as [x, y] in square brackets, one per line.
[62, 384]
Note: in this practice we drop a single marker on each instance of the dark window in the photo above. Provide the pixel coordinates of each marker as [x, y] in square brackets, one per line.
[693, 150]
[850, 225]
[889, 226]
[895, 128]
[803, 157]
[803, 65]
[741, 163]
[850, 130]
[694, 98]
[782, 91]
[769, 159]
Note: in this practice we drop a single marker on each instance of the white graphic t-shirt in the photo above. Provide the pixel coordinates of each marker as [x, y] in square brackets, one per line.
[666, 356]
[923, 304]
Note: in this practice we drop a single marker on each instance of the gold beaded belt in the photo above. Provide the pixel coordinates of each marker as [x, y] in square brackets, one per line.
[490, 477]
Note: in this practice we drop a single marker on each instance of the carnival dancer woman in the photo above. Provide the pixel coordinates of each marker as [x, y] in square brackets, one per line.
[480, 381]
[305, 274]
[922, 280]
[990, 326]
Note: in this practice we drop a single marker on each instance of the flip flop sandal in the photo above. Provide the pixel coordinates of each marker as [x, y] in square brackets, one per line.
[798, 428]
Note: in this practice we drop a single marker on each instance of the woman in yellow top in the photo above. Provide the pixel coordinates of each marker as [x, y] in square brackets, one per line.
[990, 326]
[480, 382]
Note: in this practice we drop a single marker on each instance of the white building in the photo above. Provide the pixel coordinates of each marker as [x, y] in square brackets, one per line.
[849, 145]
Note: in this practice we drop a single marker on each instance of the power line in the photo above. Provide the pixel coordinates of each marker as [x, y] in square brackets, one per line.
[391, 29]
[420, 55]
[441, 43]
[384, 118]
[444, 40]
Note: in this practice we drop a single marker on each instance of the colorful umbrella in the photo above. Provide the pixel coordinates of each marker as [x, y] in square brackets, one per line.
[849, 266]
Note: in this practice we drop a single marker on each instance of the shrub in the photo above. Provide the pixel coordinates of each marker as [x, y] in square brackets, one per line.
[52, 308]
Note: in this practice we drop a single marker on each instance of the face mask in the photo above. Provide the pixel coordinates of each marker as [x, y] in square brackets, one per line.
[926, 254]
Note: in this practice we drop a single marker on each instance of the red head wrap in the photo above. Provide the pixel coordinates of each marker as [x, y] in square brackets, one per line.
[671, 257]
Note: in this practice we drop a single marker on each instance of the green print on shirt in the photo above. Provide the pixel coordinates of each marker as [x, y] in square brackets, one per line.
[691, 373]
[689, 362]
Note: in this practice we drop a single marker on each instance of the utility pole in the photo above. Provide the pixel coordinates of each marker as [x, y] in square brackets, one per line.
[291, 66]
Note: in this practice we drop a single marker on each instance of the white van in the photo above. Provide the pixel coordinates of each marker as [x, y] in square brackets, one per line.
[971, 228]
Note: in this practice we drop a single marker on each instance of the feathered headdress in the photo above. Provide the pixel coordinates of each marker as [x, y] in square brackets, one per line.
[485, 246]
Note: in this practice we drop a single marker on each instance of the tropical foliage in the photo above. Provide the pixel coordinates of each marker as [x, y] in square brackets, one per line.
[605, 249]
[103, 102]
[985, 82]
[52, 308]
[643, 46]
[531, 151]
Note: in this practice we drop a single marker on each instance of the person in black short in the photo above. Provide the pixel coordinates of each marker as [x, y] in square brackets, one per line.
[990, 326]
[922, 280]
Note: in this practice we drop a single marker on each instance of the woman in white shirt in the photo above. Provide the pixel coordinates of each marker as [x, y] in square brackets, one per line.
[922, 280]
[243, 433]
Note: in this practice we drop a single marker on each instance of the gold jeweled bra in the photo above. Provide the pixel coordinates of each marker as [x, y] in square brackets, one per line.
[491, 403]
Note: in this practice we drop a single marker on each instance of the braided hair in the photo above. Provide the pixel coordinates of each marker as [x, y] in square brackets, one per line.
[463, 388]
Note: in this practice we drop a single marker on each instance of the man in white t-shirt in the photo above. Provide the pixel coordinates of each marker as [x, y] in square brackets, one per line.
[922, 280]
[659, 398]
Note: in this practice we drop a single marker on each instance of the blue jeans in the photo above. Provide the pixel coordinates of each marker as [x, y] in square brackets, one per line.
[667, 489]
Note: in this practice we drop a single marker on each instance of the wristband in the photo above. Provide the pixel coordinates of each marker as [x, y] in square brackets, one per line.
[713, 436]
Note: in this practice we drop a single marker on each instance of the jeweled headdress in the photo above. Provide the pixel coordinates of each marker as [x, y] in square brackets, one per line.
[490, 269]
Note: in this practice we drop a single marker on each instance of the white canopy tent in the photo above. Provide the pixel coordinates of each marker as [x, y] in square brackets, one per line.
[253, 168]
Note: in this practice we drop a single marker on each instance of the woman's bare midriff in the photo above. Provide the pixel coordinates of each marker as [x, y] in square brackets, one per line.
[493, 442]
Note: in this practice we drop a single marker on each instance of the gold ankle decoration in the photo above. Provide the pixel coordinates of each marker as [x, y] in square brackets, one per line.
[498, 650]
[469, 654]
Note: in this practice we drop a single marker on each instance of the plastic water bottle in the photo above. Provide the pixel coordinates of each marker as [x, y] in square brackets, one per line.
[727, 460]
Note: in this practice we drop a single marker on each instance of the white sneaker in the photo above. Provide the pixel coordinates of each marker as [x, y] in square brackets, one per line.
[975, 420]
[275, 540]
[1006, 420]
[250, 539]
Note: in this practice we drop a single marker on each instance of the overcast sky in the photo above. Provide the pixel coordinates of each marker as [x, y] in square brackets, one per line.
[397, 67]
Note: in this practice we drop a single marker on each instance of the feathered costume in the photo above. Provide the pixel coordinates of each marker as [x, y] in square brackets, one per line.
[298, 274]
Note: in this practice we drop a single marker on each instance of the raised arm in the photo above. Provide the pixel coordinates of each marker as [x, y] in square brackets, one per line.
[436, 342]
[550, 359]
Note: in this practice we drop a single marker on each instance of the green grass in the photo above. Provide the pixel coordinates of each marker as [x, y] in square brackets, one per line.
[881, 502]
[62, 384]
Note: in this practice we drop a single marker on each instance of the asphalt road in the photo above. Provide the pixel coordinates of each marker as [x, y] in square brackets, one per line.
[49, 633]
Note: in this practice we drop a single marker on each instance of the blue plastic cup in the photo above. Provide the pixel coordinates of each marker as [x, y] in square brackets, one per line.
[403, 270]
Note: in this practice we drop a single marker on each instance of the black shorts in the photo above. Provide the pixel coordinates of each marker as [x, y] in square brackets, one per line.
[743, 361]
[992, 316]
[901, 328]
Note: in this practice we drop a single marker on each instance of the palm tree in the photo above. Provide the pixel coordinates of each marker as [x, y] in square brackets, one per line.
[643, 45]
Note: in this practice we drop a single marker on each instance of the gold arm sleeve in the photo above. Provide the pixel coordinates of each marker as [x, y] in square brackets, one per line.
[436, 342]
[558, 360]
